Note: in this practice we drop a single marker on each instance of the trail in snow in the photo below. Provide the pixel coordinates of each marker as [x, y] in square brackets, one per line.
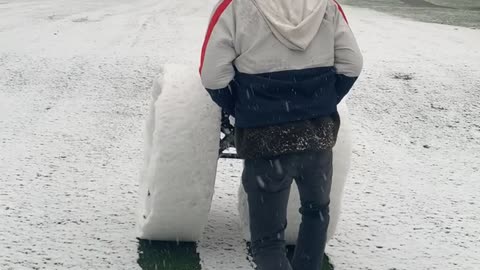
[74, 91]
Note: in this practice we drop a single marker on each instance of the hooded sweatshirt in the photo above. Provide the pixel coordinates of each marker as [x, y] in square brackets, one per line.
[280, 67]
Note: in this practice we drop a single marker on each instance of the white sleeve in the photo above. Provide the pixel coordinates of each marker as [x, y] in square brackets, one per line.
[218, 53]
[348, 58]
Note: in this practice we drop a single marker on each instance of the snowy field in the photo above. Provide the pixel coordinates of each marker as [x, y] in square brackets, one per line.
[455, 12]
[75, 80]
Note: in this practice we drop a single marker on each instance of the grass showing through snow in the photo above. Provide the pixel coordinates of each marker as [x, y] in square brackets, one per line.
[453, 12]
[155, 255]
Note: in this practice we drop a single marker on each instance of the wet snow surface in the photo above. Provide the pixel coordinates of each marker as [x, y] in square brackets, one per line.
[75, 83]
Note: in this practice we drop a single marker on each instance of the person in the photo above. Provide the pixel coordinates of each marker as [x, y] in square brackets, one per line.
[280, 68]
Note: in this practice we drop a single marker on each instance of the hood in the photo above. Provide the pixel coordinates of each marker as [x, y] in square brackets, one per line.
[293, 22]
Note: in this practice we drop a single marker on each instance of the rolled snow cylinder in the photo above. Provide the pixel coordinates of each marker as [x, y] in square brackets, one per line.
[181, 151]
[341, 164]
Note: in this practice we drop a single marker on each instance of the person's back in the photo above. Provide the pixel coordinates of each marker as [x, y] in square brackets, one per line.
[280, 67]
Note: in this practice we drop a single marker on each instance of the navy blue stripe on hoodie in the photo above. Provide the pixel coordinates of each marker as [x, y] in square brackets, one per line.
[258, 100]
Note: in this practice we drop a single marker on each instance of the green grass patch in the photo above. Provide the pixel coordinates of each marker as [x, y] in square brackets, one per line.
[159, 255]
[453, 12]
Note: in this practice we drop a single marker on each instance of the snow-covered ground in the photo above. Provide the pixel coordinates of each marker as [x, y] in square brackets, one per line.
[454, 12]
[75, 80]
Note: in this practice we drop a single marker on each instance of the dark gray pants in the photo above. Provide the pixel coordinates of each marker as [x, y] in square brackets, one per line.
[267, 183]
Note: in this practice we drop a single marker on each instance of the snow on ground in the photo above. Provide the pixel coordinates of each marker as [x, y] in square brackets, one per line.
[75, 83]
[454, 12]
[412, 202]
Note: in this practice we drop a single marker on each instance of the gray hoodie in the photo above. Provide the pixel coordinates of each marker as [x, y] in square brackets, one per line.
[261, 36]
[287, 62]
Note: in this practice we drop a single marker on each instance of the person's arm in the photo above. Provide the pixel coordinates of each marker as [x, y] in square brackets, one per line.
[348, 58]
[218, 53]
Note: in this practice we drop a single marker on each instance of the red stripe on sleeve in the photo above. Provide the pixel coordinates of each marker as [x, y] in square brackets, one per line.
[216, 16]
[341, 10]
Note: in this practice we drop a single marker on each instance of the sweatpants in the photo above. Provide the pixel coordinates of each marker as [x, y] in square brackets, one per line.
[267, 183]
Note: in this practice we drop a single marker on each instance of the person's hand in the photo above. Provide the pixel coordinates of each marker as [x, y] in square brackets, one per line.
[228, 130]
